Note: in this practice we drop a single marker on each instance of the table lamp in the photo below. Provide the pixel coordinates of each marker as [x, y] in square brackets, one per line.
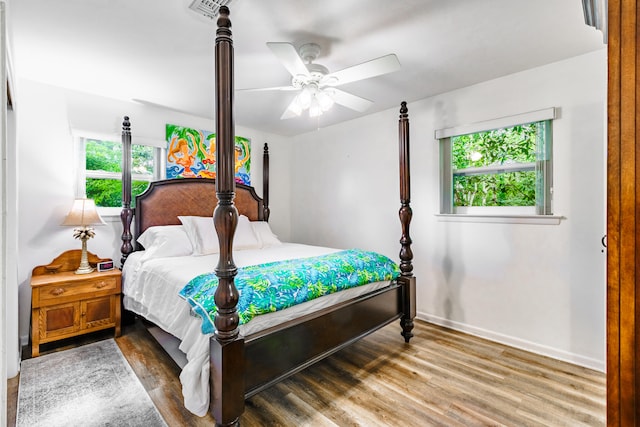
[83, 216]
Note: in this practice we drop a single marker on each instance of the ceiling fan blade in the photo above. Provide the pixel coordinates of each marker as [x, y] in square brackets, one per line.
[262, 89]
[288, 55]
[350, 101]
[375, 67]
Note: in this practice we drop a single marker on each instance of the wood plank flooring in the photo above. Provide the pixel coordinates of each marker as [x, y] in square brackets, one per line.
[443, 378]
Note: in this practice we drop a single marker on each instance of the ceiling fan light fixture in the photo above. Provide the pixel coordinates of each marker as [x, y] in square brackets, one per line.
[295, 107]
[314, 99]
[325, 99]
[315, 109]
[306, 96]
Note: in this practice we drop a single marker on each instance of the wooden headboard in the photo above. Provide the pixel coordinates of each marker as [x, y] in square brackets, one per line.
[163, 201]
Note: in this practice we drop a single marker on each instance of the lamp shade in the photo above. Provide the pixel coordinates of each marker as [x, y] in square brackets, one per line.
[83, 213]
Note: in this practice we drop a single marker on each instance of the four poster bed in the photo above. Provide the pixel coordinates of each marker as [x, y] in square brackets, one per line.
[235, 361]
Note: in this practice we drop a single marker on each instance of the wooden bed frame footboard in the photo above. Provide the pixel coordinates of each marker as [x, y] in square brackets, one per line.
[243, 366]
[314, 337]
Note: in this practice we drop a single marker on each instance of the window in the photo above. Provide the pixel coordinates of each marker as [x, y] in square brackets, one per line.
[500, 167]
[100, 171]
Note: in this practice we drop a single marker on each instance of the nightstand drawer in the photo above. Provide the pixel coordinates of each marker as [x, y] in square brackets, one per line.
[62, 290]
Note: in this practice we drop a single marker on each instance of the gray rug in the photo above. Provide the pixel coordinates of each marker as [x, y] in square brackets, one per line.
[91, 385]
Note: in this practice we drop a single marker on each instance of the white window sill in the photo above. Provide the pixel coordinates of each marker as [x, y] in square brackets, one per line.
[110, 214]
[502, 219]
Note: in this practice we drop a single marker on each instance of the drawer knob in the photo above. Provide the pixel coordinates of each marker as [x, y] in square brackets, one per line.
[57, 291]
[101, 285]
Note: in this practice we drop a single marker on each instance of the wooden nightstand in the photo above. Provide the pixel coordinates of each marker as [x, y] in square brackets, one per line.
[65, 304]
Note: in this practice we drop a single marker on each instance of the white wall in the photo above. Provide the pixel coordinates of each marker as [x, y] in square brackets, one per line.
[540, 287]
[46, 178]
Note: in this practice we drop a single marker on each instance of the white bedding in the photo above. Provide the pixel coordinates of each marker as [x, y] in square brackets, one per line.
[151, 286]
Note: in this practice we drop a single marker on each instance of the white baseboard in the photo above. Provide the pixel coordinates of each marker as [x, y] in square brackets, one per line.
[576, 359]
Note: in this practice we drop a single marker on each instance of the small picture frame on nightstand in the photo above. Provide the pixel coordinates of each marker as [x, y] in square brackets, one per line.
[105, 266]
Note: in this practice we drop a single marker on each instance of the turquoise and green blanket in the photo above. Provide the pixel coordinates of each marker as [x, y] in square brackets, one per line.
[278, 285]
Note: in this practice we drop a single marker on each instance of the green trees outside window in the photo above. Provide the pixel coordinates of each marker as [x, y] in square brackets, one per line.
[103, 168]
[498, 167]
[495, 168]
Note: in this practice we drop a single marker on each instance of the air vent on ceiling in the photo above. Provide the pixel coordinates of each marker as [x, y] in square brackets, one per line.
[208, 8]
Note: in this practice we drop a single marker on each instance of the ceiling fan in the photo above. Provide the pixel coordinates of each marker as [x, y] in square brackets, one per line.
[316, 86]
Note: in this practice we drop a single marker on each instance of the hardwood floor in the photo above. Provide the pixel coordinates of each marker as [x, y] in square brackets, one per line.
[443, 378]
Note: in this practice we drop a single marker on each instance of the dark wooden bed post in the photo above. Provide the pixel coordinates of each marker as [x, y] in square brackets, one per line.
[406, 255]
[126, 215]
[265, 182]
[227, 348]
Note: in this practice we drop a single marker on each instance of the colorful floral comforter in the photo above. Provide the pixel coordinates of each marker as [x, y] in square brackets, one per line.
[278, 285]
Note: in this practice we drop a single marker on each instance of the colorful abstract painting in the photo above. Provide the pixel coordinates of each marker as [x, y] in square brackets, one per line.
[191, 153]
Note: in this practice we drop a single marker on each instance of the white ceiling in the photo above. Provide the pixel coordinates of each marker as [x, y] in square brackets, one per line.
[160, 52]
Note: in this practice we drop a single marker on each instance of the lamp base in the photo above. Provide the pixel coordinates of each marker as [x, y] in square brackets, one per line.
[84, 270]
[84, 267]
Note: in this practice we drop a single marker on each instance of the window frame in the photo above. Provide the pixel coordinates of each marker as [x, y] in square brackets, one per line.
[543, 166]
[82, 174]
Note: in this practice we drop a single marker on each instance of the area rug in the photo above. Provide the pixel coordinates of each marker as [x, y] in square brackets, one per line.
[91, 385]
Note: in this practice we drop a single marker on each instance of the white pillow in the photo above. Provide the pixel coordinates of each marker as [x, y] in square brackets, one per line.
[202, 234]
[204, 238]
[264, 234]
[165, 241]
[245, 237]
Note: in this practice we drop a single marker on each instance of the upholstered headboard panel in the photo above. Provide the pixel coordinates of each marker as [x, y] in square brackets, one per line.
[164, 200]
